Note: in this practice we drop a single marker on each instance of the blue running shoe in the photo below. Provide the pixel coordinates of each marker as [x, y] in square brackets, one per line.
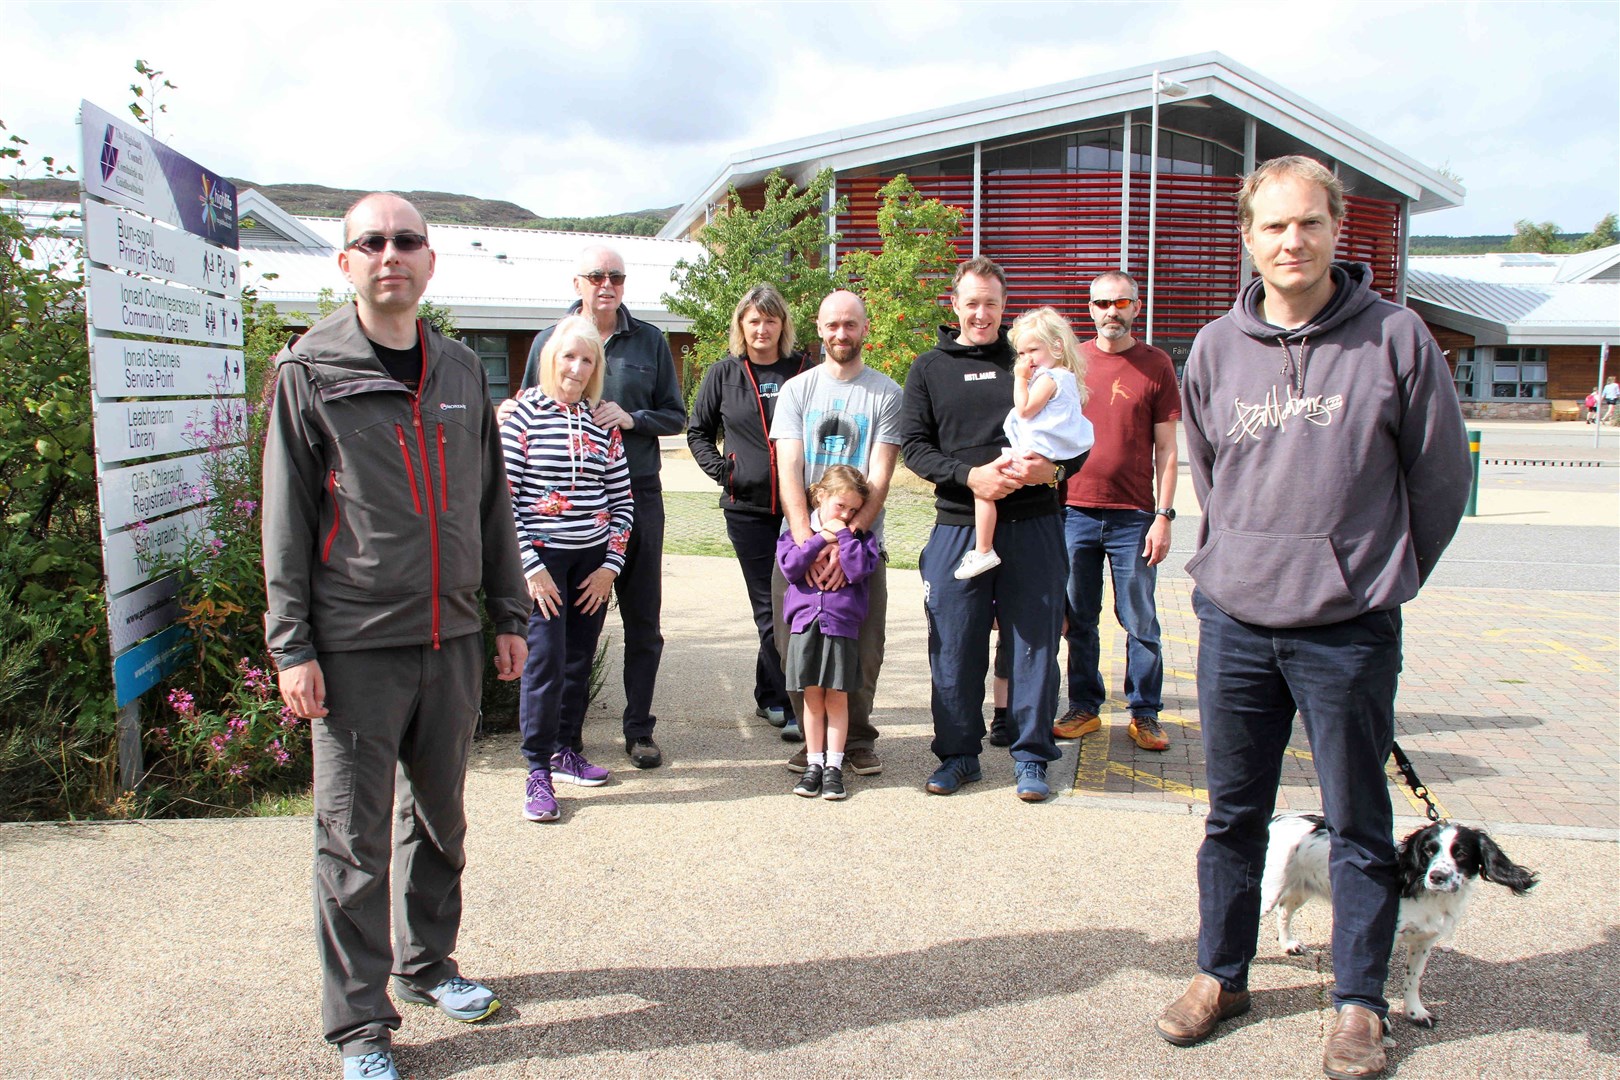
[374, 1066]
[1031, 780]
[953, 772]
[458, 998]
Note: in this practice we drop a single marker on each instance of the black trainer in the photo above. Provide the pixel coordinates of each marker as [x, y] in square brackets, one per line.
[832, 784]
[810, 782]
[1000, 733]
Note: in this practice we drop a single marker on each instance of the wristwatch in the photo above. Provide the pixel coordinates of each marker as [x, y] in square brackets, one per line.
[1169, 512]
[1057, 477]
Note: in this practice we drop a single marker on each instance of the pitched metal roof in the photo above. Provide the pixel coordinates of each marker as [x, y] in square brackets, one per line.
[1209, 76]
[1505, 299]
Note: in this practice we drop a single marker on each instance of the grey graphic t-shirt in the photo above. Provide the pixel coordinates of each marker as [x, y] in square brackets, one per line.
[839, 422]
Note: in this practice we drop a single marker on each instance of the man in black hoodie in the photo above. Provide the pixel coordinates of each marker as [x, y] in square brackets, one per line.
[1328, 453]
[957, 396]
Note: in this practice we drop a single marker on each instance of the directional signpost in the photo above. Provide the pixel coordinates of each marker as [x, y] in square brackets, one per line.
[163, 284]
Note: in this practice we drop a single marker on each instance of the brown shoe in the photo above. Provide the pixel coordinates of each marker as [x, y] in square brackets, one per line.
[1146, 733]
[799, 762]
[863, 762]
[1193, 1016]
[1076, 723]
[1355, 1047]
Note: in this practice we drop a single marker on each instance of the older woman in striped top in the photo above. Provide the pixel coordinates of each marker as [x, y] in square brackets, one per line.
[571, 497]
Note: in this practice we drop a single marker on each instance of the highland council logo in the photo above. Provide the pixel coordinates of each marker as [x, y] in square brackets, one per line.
[109, 155]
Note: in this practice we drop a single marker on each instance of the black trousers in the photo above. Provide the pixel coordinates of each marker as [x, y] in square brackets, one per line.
[753, 536]
[640, 592]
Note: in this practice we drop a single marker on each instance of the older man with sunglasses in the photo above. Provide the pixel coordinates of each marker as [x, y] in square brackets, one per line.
[386, 509]
[642, 398]
[1119, 508]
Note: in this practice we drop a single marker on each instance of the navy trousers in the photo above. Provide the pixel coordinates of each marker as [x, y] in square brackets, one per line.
[1026, 593]
[556, 677]
[1341, 680]
[753, 537]
[640, 592]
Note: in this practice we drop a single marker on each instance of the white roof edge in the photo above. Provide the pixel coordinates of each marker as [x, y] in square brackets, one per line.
[1489, 331]
[1210, 74]
[259, 205]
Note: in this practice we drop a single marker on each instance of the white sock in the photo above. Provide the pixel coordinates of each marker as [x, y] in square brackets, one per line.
[835, 761]
[816, 759]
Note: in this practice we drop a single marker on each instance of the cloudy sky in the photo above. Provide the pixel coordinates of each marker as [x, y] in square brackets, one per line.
[587, 108]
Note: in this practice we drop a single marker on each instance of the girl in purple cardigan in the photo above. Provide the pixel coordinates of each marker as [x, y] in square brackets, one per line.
[822, 657]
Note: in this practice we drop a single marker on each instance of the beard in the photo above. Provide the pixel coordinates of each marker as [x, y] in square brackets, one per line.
[1113, 331]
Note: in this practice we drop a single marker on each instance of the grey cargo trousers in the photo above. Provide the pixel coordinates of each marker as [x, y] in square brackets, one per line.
[408, 711]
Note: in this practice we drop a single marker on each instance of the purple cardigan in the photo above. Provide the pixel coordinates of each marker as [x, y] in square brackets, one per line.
[840, 612]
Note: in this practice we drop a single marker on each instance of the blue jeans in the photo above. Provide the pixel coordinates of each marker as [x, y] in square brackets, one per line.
[557, 674]
[1025, 592]
[1090, 535]
[1341, 681]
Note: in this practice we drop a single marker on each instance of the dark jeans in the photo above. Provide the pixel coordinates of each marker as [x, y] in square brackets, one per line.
[1026, 593]
[754, 538]
[1341, 680]
[1118, 535]
[556, 677]
[640, 591]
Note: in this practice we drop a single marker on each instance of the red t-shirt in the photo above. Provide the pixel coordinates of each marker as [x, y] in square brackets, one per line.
[1128, 393]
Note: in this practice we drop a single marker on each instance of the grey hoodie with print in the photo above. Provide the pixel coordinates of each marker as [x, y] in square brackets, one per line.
[384, 511]
[1331, 461]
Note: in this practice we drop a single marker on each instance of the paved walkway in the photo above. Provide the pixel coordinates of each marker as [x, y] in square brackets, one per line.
[698, 920]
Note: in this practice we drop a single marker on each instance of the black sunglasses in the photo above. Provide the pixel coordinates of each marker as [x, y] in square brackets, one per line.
[596, 277]
[377, 243]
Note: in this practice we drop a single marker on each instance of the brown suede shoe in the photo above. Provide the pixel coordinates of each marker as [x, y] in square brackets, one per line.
[1193, 1016]
[1355, 1047]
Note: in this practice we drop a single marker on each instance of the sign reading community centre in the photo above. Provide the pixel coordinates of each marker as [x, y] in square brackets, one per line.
[163, 287]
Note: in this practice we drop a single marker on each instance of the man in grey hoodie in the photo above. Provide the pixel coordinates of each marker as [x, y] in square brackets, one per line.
[1328, 452]
[386, 509]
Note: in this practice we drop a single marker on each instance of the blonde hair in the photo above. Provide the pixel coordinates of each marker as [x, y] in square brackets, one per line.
[1046, 325]
[837, 480]
[574, 328]
[767, 301]
[1297, 165]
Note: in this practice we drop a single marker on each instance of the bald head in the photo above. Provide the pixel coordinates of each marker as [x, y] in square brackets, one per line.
[392, 205]
[840, 302]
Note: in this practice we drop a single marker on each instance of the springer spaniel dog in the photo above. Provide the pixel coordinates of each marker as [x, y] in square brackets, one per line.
[1439, 866]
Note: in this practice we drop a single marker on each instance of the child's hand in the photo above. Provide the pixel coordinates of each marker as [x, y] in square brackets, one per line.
[1022, 367]
[834, 527]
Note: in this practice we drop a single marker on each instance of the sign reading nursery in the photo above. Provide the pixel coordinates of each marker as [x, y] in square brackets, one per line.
[163, 285]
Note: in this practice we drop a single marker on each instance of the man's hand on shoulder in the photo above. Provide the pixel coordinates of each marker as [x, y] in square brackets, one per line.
[511, 653]
[303, 688]
[504, 409]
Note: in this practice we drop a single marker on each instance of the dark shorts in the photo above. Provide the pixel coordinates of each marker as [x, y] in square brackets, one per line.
[816, 659]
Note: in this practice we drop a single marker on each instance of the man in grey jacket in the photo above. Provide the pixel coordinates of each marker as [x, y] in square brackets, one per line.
[1328, 453]
[642, 397]
[386, 509]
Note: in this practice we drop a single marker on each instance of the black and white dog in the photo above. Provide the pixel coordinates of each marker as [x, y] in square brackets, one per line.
[1439, 866]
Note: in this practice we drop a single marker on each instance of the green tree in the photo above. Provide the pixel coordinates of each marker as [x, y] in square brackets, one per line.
[901, 283]
[779, 244]
[1542, 238]
[1603, 235]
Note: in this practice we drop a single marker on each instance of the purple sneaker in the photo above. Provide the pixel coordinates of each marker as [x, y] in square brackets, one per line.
[539, 803]
[569, 766]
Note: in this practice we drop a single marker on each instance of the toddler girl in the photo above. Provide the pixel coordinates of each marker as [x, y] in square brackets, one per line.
[822, 658]
[1049, 386]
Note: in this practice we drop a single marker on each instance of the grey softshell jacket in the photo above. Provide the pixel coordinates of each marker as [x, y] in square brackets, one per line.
[1331, 461]
[384, 512]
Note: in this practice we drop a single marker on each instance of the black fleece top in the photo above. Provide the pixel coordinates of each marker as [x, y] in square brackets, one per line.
[956, 400]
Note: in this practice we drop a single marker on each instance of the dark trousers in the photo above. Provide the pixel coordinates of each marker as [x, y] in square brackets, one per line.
[1341, 680]
[753, 536]
[556, 677]
[1026, 594]
[862, 733]
[640, 592]
[1117, 535]
[405, 713]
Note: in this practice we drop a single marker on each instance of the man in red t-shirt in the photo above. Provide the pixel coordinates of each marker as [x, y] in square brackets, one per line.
[1120, 506]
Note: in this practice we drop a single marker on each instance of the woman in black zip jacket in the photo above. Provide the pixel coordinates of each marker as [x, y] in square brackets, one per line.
[735, 405]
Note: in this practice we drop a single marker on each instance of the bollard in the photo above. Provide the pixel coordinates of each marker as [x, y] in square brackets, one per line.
[1473, 489]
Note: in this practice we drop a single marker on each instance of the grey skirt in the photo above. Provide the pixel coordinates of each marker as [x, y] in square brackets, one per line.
[816, 659]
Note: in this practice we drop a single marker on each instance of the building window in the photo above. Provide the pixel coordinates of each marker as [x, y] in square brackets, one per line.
[1519, 373]
[1464, 378]
[491, 350]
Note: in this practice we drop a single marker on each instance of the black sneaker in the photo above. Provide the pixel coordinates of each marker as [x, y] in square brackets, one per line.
[644, 753]
[810, 782]
[832, 785]
[1000, 733]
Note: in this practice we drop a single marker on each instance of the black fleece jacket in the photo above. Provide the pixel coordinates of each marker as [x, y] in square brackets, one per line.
[732, 406]
[956, 399]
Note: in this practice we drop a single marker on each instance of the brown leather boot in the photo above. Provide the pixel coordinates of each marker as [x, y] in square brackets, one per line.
[1355, 1046]
[1193, 1016]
